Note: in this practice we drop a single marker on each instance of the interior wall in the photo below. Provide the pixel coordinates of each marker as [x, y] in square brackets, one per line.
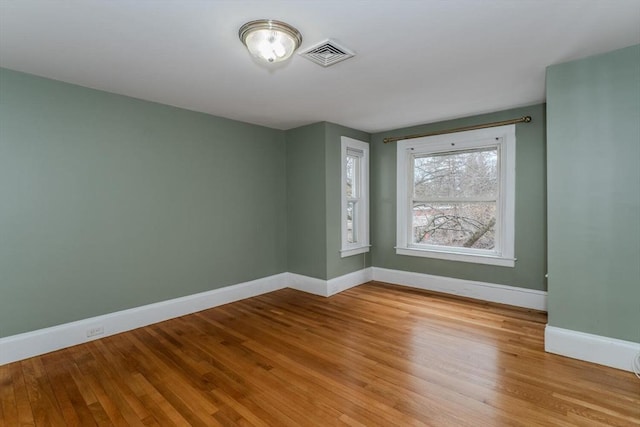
[306, 204]
[530, 221]
[314, 201]
[336, 265]
[594, 194]
[109, 202]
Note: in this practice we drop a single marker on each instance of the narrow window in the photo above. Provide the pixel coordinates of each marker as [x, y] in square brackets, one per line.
[355, 197]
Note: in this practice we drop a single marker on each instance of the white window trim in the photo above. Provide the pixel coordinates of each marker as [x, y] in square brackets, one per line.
[505, 138]
[362, 222]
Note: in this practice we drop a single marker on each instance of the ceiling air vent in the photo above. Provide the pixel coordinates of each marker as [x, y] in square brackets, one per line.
[327, 53]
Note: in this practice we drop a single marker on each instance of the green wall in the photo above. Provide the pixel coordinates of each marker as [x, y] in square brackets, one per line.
[314, 199]
[108, 202]
[530, 226]
[306, 214]
[594, 194]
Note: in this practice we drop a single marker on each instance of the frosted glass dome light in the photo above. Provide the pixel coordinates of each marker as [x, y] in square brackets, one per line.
[270, 41]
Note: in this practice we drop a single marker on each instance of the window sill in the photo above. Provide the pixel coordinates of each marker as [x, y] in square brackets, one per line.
[453, 256]
[354, 251]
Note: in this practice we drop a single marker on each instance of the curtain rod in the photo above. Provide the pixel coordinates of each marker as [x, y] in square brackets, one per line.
[523, 119]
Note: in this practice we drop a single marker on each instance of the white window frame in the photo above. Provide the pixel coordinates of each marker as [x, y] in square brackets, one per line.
[503, 137]
[362, 211]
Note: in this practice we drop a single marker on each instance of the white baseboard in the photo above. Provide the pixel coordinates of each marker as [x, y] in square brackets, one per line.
[342, 283]
[511, 295]
[326, 288]
[591, 348]
[307, 284]
[29, 344]
[41, 341]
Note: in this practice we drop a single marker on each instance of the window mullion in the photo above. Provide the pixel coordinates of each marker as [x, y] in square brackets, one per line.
[460, 200]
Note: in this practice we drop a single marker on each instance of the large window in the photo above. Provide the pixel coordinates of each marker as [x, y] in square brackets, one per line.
[355, 197]
[456, 196]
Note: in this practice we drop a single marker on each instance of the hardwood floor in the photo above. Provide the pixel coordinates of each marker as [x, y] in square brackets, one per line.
[375, 355]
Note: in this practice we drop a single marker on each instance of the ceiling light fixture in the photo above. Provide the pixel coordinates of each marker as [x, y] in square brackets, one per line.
[269, 40]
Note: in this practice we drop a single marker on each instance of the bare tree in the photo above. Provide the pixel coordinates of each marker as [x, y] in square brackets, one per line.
[454, 198]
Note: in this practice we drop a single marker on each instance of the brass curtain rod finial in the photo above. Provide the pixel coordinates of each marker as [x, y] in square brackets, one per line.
[523, 119]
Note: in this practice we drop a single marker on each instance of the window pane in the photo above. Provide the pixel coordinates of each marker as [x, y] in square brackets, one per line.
[467, 174]
[462, 225]
[353, 164]
[352, 235]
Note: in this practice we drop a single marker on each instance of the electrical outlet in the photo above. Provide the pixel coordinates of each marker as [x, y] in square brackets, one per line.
[92, 332]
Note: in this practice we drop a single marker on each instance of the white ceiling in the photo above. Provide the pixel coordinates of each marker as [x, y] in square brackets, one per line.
[417, 61]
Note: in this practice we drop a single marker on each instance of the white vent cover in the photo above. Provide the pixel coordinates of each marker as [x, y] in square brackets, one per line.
[327, 53]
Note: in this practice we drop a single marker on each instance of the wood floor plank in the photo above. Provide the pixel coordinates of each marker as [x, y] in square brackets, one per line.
[114, 406]
[44, 405]
[168, 380]
[8, 402]
[74, 412]
[374, 355]
[163, 411]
